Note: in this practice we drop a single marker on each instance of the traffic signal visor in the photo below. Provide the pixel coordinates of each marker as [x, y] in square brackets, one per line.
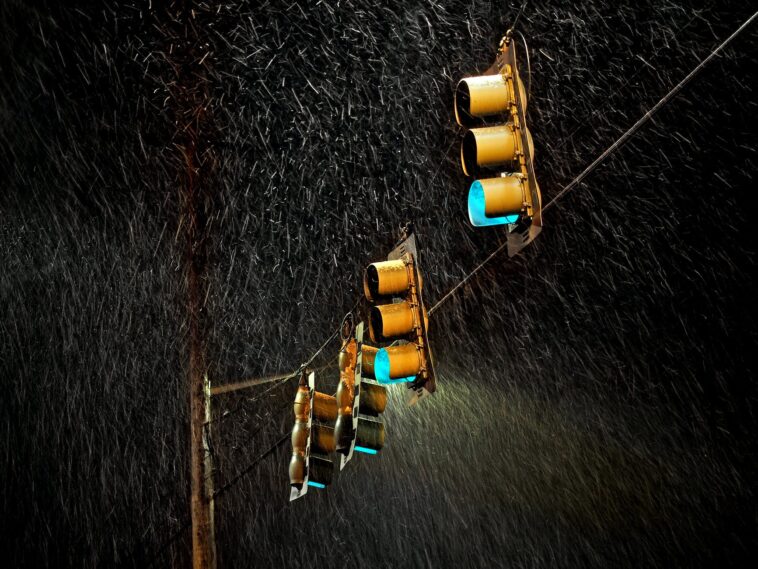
[487, 147]
[483, 96]
[386, 278]
[397, 364]
[496, 201]
[391, 320]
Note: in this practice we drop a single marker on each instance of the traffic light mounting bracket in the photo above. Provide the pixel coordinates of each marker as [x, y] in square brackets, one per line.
[527, 230]
[420, 388]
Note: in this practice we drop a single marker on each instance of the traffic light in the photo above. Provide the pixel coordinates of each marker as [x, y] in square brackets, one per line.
[400, 319]
[493, 109]
[312, 441]
[360, 401]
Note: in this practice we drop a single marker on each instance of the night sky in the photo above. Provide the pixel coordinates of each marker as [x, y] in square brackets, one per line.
[597, 401]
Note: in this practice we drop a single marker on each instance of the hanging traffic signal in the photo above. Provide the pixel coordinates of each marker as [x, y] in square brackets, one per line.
[360, 401]
[511, 197]
[401, 320]
[312, 442]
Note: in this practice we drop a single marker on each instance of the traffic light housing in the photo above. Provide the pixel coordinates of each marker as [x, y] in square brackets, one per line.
[312, 439]
[493, 109]
[398, 315]
[360, 401]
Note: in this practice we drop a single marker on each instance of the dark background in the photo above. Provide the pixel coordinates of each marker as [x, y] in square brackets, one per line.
[597, 395]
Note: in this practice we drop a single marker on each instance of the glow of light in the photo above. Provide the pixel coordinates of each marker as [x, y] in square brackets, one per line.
[476, 209]
[316, 484]
[365, 450]
[382, 370]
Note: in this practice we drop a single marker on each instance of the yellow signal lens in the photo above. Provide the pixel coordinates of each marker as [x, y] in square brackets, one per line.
[299, 438]
[385, 278]
[390, 320]
[488, 146]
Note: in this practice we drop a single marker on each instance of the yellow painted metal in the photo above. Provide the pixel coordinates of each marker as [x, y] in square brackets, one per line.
[522, 92]
[405, 360]
[386, 278]
[324, 407]
[391, 320]
[485, 95]
[302, 408]
[481, 96]
[369, 354]
[505, 195]
[494, 93]
[530, 141]
[488, 146]
[399, 278]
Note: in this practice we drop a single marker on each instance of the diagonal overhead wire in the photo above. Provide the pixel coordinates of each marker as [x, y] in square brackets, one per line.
[620, 141]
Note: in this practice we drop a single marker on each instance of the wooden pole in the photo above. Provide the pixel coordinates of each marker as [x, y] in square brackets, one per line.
[192, 101]
[201, 481]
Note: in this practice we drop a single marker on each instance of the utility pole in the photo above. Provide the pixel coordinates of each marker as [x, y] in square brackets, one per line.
[201, 468]
[191, 99]
[194, 216]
